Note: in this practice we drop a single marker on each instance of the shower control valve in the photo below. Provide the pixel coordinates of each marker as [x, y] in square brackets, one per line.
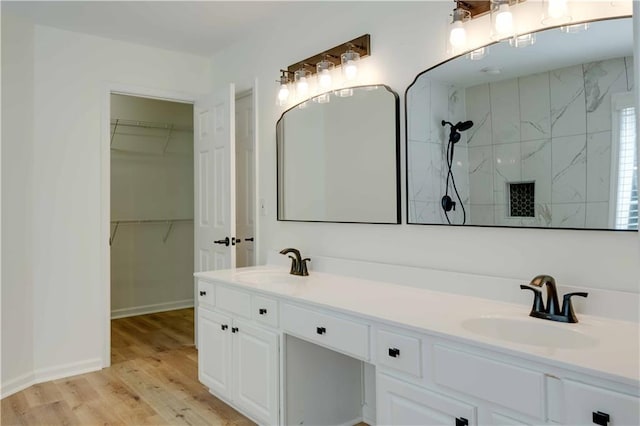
[448, 204]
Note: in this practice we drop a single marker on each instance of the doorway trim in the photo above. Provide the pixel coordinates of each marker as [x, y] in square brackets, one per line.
[105, 191]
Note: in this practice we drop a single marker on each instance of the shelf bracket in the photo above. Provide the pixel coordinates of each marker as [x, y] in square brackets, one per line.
[166, 235]
[166, 143]
[113, 234]
[113, 134]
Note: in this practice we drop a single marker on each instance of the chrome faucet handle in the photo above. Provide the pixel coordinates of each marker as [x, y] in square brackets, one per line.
[538, 305]
[567, 306]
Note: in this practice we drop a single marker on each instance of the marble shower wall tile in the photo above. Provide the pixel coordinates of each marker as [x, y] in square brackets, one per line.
[597, 215]
[598, 166]
[536, 167]
[418, 118]
[439, 111]
[479, 111]
[628, 63]
[601, 79]
[481, 175]
[568, 111]
[419, 173]
[569, 169]
[480, 214]
[505, 111]
[568, 215]
[535, 107]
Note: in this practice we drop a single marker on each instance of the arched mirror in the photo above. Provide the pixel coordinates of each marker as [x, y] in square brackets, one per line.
[338, 158]
[541, 136]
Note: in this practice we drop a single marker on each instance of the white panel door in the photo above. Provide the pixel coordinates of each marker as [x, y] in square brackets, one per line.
[255, 371]
[245, 181]
[214, 125]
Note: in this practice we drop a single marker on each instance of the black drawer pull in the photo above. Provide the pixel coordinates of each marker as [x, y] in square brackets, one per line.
[262, 311]
[203, 293]
[461, 421]
[600, 418]
[394, 352]
[224, 326]
[234, 329]
[321, 330]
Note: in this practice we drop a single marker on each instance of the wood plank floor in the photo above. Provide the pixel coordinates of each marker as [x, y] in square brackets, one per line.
[153, 380]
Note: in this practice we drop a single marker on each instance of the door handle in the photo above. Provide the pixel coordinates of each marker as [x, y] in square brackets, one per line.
[225, 241]
[235, 241]
[249, 239]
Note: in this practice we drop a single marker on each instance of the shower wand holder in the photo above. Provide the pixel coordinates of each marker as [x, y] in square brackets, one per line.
[448, 204]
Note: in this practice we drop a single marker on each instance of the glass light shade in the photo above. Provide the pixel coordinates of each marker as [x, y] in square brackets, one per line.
[504, 19]
[283, 94]
[575, 28]
[322, 99]
[345, 93]
[324, 69]
[555, 12]
[301, 79]
[476, 55]
[457, 34]
[349, 61]
[523, 40]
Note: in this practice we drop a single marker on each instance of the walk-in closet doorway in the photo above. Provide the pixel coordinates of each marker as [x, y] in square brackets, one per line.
[152, 189]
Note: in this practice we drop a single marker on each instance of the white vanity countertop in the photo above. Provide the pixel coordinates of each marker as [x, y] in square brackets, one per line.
[615, 355]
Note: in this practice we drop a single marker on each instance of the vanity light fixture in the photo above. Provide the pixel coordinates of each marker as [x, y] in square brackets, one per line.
[283, 93]
[457, 32]
[502, 25]
[555, 12]
[347, 55]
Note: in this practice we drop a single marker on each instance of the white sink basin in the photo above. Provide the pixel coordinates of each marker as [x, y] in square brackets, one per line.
[266, 277]
[530, 331]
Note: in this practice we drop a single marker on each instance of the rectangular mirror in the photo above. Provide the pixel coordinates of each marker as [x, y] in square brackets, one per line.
[338, 158]
[539, 136]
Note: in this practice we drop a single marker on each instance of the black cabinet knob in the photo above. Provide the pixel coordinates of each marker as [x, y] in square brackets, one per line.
[203, 293]
[321, 330]
[394, 352]
[234, 329]
[262, 311]
[600, 418]
[224, 326]
[461, 421]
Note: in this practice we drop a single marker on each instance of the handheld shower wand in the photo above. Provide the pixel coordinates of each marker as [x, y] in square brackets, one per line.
[447, 202]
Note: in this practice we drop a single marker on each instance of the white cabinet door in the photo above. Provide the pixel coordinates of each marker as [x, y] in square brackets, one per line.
[255, 371]
[401, 403]
[586, 405]
[214, 351]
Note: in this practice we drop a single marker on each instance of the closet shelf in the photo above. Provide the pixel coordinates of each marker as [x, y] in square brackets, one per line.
[168, 222]
[146, 131]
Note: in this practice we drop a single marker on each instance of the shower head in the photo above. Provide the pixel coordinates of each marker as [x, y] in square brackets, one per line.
[464, 125]
[461, 126]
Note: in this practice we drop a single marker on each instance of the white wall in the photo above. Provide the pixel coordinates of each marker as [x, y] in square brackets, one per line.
[17, 185]
[407, 38]
[70, 76]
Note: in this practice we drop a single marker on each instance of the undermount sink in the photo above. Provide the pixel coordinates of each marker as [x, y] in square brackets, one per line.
[265, 277]
[529, 331]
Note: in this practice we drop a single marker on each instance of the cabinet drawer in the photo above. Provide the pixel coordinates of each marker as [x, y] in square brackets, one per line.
[264, 310]
[582, 401]
[343, 335]
[399, 351]
[206, 293]
[232, 300]
[517, 388]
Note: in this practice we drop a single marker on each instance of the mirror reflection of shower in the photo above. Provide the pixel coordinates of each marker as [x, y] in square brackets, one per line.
[454, 137]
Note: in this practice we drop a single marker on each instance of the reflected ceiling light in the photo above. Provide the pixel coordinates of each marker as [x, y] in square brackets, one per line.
[575, 28]
[349, 61]
[283, 93]
[555, 11]
[523, 40]
[501, 19]
[476, 55]
[324, 69]
[457, 32]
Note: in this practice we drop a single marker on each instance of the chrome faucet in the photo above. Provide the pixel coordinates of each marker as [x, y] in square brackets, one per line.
[551, 311]
[298, 264]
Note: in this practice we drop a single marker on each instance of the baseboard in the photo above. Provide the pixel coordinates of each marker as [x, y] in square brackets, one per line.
[150, 309]
[16, 385]
[352, 422]
[67, 370]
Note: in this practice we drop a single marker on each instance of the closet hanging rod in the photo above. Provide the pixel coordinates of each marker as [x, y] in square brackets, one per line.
[150, 221]
[150, 125]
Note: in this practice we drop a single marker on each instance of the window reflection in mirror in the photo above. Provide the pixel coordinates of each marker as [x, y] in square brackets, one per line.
[338, 158]
[553, 141]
